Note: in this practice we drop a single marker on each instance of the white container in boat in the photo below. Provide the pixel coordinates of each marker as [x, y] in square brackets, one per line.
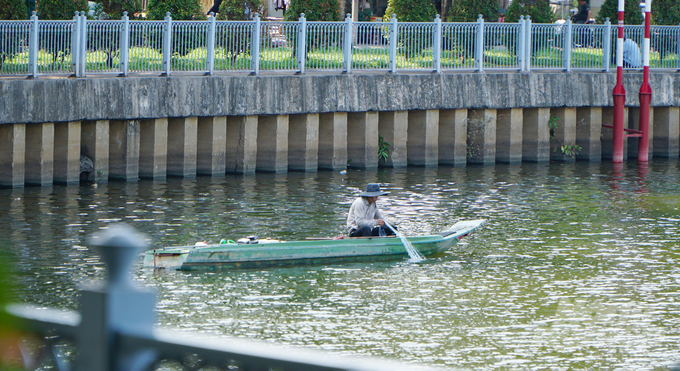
[248, 240]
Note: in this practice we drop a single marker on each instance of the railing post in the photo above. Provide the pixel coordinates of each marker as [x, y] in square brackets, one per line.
[167, 45]
[678, 49]
[83, 44]
[567, 44]
[437, 57]
[479, 44]
[521, 39]
[302, 44]
[527, 44]
[106, 309]
[33, 47]
[124, 44]
[75, 45]
[210, 54]
[606, 53]
[347, 45]
[255, 47]
[393, 44]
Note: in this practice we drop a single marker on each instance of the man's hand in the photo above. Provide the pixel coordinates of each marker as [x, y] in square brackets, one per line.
[380, 222]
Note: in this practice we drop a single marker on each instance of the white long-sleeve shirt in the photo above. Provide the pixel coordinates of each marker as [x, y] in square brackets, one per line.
[361, 214]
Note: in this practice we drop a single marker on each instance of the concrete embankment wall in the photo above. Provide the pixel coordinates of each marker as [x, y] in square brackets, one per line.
[185, 126]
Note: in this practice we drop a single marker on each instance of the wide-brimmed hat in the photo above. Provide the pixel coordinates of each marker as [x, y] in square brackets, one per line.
[373, 190]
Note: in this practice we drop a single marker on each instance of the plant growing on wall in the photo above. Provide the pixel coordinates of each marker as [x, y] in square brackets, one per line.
[384, 150]
[666, 12]
[567, 149]
[13, 10]
[60, 9]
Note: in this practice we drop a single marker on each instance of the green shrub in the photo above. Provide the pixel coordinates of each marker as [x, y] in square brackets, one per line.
[60, 9]
[538, 10]
[631, 12]
[469, 11]
[114, 9]
[13, 10]
[179, 9]
[239, 10]
[314, 10]
[666, 12]
[411, 10]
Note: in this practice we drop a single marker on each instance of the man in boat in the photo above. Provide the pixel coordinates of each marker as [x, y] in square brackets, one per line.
[364, 217]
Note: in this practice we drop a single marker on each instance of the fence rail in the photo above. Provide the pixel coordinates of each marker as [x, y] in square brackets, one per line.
[83, 47]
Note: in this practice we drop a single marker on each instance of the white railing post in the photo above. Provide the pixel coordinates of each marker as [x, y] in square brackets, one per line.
[210, 52]
[567, 43]
[124, 44]
[479, 44]
[527, 44]
[167, 45]
[393, 44]
[255, 46]
[521, 39]
[606, 45]
[33, 47]
[437, 45]
[302, 44]
[75, 42]
[83, 44]
[347, 45]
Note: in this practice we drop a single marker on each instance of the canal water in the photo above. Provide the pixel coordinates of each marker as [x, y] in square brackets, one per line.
[577, 266]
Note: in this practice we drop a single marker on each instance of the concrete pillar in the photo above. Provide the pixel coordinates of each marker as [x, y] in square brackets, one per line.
[393, 126]
[333, 140]
[67, 152]
[607, 137]
[453, 125]
[124, 140]
[241, 144]
[12, 155]
[423, 138]
[212, 146]
[40, 154]
[272, 143]
[634, 123]
[94, 143]
[588, 131]
[666, 132]
[509, 135]
[182, 143]
[153, 151]
[362, 139]
[303, 142]
[481, 133]
[536, 135]
[564, 135]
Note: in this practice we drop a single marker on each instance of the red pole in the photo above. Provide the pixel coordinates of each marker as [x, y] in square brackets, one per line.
[619, 93]
[645, 89]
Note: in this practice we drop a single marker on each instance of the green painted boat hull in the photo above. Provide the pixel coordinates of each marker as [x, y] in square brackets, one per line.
[322, 251]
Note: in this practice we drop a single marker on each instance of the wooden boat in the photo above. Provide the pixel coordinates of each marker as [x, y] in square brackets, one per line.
[272, 253]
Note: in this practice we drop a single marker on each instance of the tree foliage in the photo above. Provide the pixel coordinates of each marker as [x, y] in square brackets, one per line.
[610, 9]
[411, 10]
[666, 12]
[239, 10]
[538, 10]
[314, 10]
[179, 9]
[469, 11]
[13, 9]
[60, 9]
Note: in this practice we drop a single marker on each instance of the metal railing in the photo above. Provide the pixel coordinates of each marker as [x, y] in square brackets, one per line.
[110, 334]
[80, 46]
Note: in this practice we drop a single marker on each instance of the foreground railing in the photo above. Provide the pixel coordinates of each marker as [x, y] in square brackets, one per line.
[80, 46]
[115, 331]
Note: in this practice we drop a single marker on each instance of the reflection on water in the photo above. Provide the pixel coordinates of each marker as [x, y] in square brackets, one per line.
[577, 266]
